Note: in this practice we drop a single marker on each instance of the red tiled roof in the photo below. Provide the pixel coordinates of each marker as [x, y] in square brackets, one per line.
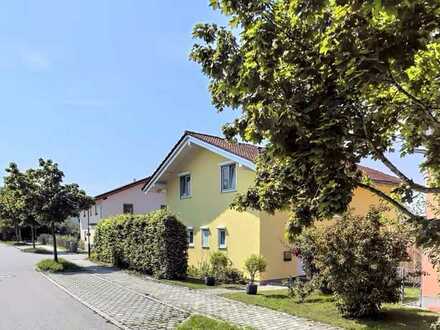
[143, 181]
[250, 152]
[244, 150]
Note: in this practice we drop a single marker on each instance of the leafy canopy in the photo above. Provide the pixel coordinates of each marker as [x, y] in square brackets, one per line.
[324, 84]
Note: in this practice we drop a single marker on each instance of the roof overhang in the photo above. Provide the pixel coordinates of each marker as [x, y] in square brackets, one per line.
[185, 142]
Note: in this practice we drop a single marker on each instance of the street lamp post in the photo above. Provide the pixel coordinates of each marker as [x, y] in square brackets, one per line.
[88, 232]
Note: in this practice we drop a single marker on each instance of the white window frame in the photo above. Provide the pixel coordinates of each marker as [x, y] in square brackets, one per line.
[180, 175]
[204, 230]
[188, 230]
[221, 165]
[225, 244]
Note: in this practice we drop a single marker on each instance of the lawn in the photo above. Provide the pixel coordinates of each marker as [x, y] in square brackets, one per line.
[36, 250]
[198, 322]
[49, 265]
[319, 307]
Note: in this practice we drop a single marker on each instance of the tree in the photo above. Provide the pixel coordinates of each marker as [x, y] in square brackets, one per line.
[22, 186]
[325, 84]
[10, 210]
[55, 201]
[358, 259]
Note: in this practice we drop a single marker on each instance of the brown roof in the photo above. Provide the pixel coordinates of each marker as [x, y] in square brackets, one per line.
[250, 152]
[143, 181]
[244, 150]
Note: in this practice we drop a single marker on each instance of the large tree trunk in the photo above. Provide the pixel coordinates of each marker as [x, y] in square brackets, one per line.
[20, 238]
[54, 238]
[33, 234]
[17, 234]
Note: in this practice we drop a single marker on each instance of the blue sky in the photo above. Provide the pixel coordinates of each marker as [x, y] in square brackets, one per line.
[104, 88]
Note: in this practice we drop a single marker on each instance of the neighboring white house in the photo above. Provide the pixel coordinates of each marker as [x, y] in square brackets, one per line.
[126, 199]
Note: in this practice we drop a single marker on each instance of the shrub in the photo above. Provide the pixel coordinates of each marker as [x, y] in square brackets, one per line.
[359, 257]
[299, 288]
[49, 265]
[219, 263]
[154, 243]
[234, 276]
[254, 265]
[45, 239]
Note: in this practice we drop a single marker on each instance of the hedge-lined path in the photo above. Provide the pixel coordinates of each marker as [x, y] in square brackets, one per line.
[135, 301]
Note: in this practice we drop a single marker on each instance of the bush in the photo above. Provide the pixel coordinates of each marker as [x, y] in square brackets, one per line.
[234, 276]
[49, 265]
[45, 239]
[219, 263]
[300, 289]
[154, 243]
[254, 265]
[359, 257]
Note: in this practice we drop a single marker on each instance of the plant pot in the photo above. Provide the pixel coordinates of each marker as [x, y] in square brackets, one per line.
[251, 288]
[210, 280]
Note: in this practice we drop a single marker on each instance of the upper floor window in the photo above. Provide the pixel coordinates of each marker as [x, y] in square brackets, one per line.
[185, 185]
[128, 208]
[228, 177]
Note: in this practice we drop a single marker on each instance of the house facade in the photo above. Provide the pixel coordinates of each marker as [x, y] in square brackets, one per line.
[126, 199]
[430, 286]
[200, 177]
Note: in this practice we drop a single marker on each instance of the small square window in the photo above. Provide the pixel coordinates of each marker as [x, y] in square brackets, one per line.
[228, 177]
[190, 233]
[287, 256]
[205, 238]
[185, 186]
[222, 238]
[163, 207]
[127, 208]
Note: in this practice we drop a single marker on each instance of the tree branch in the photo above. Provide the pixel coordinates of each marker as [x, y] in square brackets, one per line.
[420, 103]
[393, 168]
[389, 199]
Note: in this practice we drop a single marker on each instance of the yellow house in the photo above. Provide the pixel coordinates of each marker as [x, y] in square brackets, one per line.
[200, 177]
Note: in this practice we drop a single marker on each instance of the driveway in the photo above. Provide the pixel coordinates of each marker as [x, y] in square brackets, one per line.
[29, 301]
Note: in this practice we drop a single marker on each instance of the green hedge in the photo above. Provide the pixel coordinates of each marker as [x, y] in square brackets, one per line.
[153, 243]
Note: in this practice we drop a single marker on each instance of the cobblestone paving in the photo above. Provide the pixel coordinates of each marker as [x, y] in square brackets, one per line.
[140, 302]
[131, 309]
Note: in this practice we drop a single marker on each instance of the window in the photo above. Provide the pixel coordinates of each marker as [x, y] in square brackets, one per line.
[190, 233]
[287, 256]
[163, 207]
[205, 238]
[228, 177]
[128, 208]
[222, 238]
[185, 185]
[96, 210]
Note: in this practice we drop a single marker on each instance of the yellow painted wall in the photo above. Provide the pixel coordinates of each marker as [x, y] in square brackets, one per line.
[247, 232]
[273, 244]
[208, 206]
[363, 200]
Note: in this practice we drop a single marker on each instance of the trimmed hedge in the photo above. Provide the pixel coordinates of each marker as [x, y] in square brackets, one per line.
[153, 243]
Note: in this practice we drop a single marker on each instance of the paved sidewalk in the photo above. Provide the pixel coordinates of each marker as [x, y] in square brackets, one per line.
[143, 303]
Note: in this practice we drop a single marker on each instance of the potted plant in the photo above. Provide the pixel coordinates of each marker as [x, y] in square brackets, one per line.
[207, 273]
[254, 265]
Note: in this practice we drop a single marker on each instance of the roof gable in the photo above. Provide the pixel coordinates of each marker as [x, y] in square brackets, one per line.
[243, 153]
[107, 194]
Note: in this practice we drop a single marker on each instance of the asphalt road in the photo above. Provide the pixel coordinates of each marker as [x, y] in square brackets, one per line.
[29, 301]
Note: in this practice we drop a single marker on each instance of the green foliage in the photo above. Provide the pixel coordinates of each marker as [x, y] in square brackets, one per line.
[219, 263]
[300, 289]
[325, 84]
[358, 258]
[254, 265]
[153, 243]
[199, 322]
[52, 266]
